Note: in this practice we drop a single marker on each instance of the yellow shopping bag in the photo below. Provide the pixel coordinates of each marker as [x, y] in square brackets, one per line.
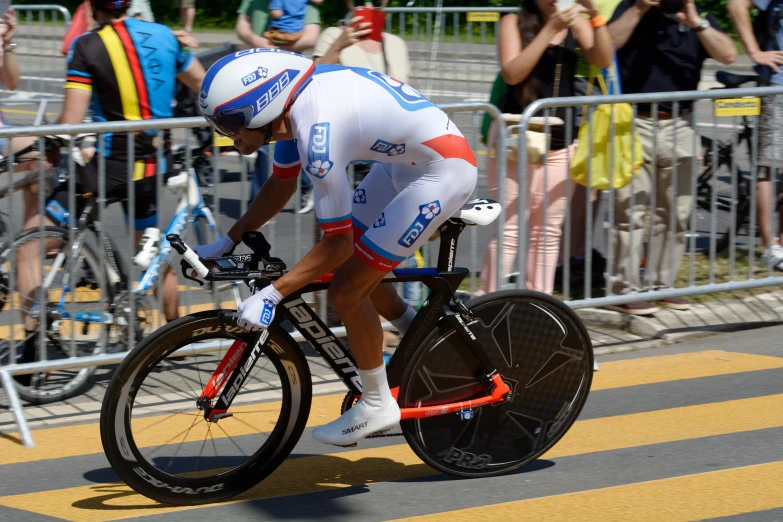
[623, 149]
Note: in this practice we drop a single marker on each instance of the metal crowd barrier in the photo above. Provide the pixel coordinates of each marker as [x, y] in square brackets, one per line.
[453, 52]
[713, 210]
[39, 38]
[108, 314]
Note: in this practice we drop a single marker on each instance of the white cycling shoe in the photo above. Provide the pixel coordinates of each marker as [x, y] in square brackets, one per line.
[360, 421]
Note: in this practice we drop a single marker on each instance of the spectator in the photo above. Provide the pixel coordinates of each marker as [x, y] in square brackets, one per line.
[765, 48]
[659, 52]
[98, 78]
[532, 47]
[287, 20]
[187, 13]
[348, 46]
[139, 9]
[252, 22]
[9, 67]
[579, 206]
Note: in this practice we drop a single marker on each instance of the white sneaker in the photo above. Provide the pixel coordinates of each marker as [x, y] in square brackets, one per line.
[307, 200]
[595, 365]
[773, 257]
[357, 423]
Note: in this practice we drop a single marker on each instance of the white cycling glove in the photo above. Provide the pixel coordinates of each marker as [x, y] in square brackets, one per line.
[257, 312]
[216, 249]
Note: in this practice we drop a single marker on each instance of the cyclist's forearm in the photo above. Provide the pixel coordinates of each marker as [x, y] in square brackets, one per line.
[325, 256]
[269, 201]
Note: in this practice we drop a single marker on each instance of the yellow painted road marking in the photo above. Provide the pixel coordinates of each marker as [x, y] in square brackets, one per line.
[665, 368]
[701, 496]
[31, 113]
[397, 462]
[85, 439]
[71, 441]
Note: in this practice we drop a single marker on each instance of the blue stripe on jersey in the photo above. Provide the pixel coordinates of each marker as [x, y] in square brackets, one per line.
[79, 73]
[328, 67]
[158, 51]
[286, 153]
[334, 220]
[378, 250]
[407, 97]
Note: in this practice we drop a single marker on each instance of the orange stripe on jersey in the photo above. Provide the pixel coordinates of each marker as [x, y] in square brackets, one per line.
[135, 67]
[452, 146]
[286, 172]
[337, 227]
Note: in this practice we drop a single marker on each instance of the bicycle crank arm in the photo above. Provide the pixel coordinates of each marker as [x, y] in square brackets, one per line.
[498, 395]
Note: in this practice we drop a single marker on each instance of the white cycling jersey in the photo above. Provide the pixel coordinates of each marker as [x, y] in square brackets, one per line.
[425, 168]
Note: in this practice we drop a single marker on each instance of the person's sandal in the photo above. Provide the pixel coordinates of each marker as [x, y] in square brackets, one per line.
[635, 308]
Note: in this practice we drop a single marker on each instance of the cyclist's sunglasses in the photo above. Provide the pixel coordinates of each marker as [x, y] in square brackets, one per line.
[230, 122]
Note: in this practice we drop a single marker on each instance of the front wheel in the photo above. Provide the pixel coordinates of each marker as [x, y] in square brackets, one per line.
[544, 354]
[155, 436]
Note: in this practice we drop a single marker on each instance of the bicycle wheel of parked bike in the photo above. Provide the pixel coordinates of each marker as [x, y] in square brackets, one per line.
[542, 350]
[156, 437]
[73, 312]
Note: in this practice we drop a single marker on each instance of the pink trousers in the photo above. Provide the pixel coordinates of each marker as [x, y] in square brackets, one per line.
[544, 217]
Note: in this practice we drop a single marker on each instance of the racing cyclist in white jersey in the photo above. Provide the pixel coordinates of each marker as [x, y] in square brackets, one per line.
[323, 118]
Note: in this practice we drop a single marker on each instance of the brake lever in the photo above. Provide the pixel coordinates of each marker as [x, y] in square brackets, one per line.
[186, 269]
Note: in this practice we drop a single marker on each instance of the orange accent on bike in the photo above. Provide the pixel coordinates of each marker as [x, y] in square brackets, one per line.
[498, 395]
[224, 369]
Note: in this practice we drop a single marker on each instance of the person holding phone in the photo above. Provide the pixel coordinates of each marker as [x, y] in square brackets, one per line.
[362, 42]
[537, 53]
[661, 47]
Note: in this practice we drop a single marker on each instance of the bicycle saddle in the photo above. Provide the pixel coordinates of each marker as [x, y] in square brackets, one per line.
[479, 212]
[733, 80]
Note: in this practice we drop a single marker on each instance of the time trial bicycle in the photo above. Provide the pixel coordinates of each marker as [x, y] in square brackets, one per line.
[484, 387]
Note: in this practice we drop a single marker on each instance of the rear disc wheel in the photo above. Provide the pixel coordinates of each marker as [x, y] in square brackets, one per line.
[544, 354]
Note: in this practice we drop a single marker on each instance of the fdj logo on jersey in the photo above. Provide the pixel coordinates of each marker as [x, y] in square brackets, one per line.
[380, 222]
[255, 76]
[360, 197]
[426, 214]
[390, 149]
[318, 151]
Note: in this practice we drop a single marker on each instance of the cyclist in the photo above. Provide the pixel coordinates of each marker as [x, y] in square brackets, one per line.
[325, 117]
[125, 69]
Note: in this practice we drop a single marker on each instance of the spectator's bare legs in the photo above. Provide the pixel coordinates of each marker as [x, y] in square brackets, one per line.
[28, 265]
[764, 207]
[188, 16]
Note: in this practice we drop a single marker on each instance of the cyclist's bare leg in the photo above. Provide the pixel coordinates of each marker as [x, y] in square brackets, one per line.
[28, 267]
[352, 285]
[388, 302]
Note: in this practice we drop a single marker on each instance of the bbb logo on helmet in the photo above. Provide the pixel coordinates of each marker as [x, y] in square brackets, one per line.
[272, 89]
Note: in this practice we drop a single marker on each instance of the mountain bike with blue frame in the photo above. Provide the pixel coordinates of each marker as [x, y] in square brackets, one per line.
[92, 307]
[202, 410]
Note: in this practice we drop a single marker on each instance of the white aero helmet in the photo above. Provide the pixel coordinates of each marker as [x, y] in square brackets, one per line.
[251, 88]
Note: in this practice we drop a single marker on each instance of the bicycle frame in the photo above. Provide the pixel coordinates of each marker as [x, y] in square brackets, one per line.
[443, 281]
[191, 207]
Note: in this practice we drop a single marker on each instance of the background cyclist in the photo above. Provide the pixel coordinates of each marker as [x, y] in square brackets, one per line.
[125, 69]
[324, 118]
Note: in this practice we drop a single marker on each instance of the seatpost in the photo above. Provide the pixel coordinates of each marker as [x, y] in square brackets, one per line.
[449, 237]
